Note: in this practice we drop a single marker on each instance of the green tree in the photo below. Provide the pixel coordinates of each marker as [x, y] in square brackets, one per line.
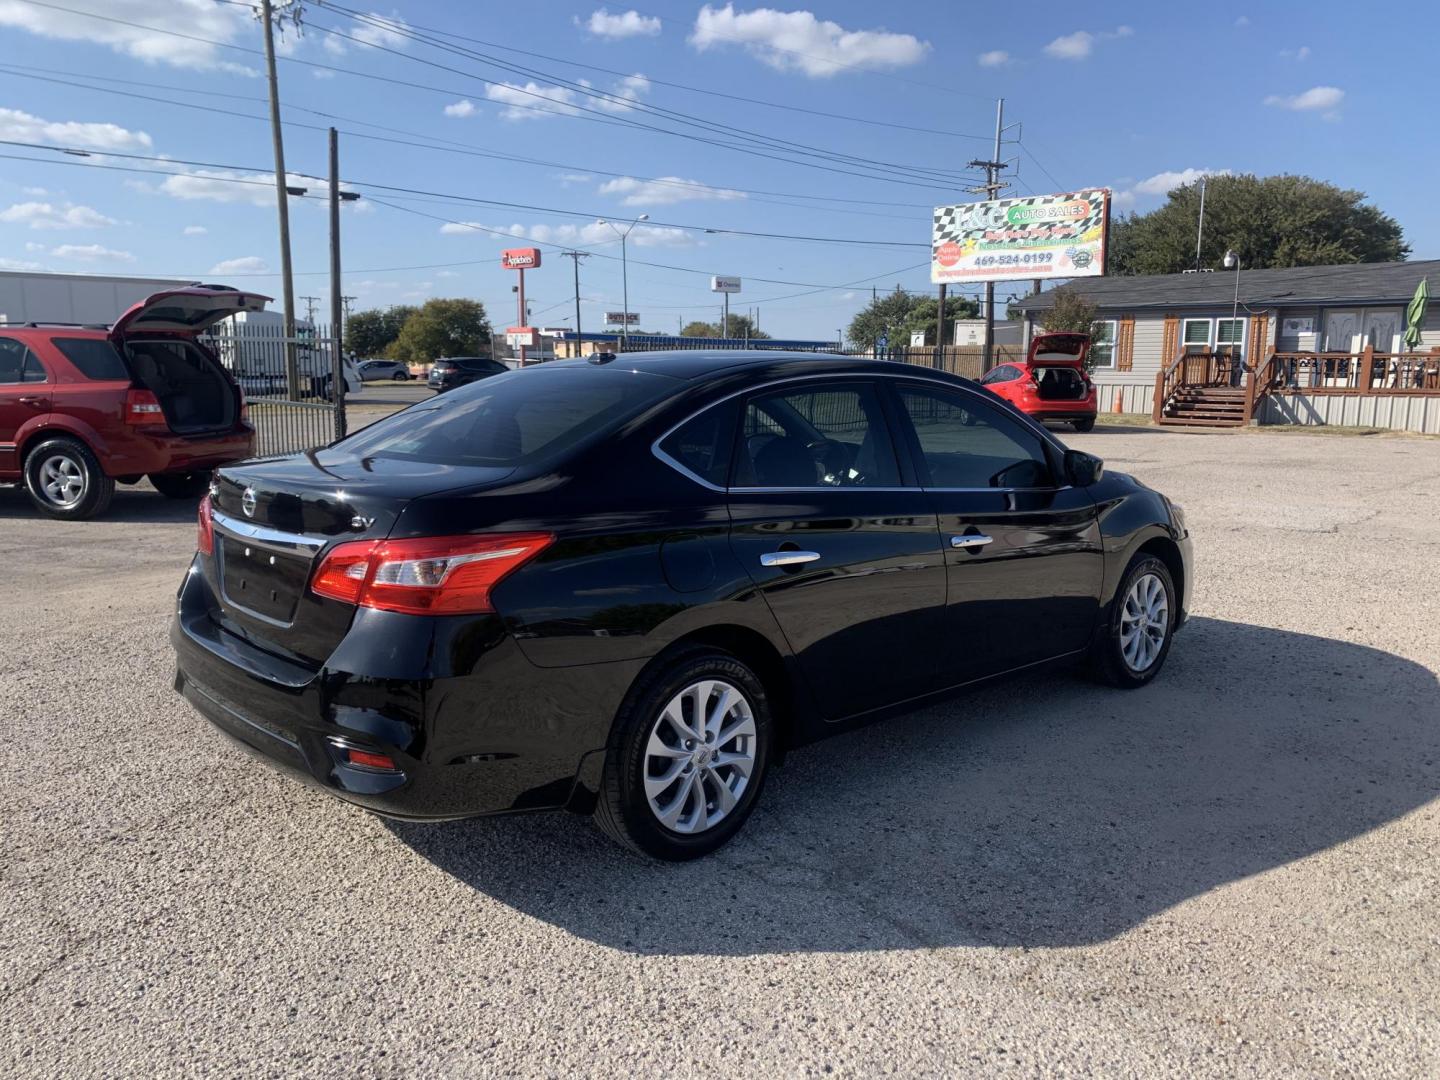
[739, 326]
[371, 332]
[1272, 221]
[897, 314]
[1070, 313]
[453, 327]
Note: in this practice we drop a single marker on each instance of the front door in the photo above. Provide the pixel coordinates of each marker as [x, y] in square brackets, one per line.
[847, 558]
[1023, 552]
[24, 394]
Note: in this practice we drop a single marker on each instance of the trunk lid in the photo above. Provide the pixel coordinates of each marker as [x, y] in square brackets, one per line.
[1059, 350]
[189, 310]
[275, 518]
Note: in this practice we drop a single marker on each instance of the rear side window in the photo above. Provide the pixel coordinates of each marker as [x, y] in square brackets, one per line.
[95, 358]
[18, 364]
[967, 444]
[816, 437]
[703, 444]
[512, 419]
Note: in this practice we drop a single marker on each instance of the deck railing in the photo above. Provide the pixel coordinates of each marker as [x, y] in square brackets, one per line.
[1367, 372]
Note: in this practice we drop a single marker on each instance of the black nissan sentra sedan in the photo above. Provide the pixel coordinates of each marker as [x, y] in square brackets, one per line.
[627, 585]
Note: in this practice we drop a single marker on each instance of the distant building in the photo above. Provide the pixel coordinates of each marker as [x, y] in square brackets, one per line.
[27, 296]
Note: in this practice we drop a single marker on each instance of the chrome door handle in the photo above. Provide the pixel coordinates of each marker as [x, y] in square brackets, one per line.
[788, 558]
[31, 400]
[972, 541]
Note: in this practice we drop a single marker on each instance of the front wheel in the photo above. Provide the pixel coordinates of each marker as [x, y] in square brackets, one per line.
[1087, 424]
[687, 757]
[187, 485]
[65, 480]
[1139, 626]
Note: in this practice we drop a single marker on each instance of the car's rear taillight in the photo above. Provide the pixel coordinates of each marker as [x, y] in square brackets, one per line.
[205, 533]
[142, 409]
[244, 405]
[443, 575]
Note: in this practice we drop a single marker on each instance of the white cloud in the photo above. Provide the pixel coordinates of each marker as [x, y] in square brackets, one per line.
[994, 58]
[1165, 182]
[591, 232]
[20, 264]
[566, 179]
[1081, 43]
[36, 192]
[1122, 200]
[1317, 97]
[44, 215]
[322, 73]
[31, 245]
[232, 186]
[1242, 20]
[22, 127]
[201, 18]
[631, 24]
[447, 273]
[1298, 55]
[534, 100]
[798, 41]
[463, 107]
[245, 264]
[195, 230]
[386, 31]
[91, 253]
[665, 190]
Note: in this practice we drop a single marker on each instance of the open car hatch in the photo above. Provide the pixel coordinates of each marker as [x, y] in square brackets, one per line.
[189, 310]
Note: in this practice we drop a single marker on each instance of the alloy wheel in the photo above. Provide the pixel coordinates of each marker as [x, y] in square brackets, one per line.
[1144, 622]
[700, 756]
[62, 479]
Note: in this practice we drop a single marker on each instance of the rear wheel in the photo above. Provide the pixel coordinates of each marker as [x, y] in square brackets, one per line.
[687, 757]
[400, 376]
[1085, 424]
[186, 485]
[65, 480]
[1139, 626]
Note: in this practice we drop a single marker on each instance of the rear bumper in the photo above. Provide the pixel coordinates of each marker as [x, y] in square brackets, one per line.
[501, 737]
[141, 452]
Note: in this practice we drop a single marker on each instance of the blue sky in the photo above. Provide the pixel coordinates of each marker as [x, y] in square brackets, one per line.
[1134, 97]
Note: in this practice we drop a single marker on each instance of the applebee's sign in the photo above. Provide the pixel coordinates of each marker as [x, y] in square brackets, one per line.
[520, 258]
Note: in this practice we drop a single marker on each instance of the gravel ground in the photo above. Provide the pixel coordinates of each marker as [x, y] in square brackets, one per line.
[1231, 873]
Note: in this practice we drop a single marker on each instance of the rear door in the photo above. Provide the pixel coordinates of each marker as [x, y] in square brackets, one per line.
[846, 556]
[25, 393]
[1022, 548]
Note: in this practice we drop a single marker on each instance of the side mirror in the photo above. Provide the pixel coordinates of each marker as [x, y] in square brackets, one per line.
[1083, 469]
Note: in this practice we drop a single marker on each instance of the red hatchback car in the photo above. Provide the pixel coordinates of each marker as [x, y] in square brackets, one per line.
[1052, 383]
[83, 408]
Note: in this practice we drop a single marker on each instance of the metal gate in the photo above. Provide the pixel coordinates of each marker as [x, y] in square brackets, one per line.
[290, 413]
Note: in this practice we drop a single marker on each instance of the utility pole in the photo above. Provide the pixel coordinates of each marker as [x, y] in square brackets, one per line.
[337, 299]
[282, 202]
[345, 300]
[992, 187]
[575, 257]
[310, 302]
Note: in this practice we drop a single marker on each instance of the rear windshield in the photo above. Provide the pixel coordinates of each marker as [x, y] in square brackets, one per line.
[512, 419]
[95, 358]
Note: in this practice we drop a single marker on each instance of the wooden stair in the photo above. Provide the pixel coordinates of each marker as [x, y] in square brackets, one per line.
[1206, 406]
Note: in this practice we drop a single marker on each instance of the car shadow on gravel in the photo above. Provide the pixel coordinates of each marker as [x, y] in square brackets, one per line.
[1044, 812]
[131, 504]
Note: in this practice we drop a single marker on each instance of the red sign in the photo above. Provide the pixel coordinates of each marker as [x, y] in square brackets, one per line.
[521, 335]
[520, 258]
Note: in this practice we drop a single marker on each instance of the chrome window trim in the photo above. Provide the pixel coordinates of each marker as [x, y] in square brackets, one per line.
[287, 543]
[920, 380]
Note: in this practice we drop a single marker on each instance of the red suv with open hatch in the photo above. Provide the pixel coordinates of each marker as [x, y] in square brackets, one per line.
[83, 408]
[1052, 383]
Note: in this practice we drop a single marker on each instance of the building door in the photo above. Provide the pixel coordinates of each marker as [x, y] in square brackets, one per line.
[1381, 328]
[1342, 332]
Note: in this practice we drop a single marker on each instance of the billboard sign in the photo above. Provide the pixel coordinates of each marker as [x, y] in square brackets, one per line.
[1040, 236]
[724, 284]
[520, 258]
[615, 318]
[520, 336]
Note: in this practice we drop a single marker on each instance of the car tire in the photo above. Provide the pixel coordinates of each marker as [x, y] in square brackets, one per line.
[1127, 652]
[640, 791]
[187, 485]
[400, 376]
[64, 479]
[1087, 424]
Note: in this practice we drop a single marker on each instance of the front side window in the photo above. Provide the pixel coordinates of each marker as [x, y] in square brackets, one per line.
[18, 364]
[816, 436]
[964, 443]
[1102, 344]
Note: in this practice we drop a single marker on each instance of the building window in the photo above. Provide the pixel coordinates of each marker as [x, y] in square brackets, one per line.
[1102, 345]
[1223, 337]
[1196, 336]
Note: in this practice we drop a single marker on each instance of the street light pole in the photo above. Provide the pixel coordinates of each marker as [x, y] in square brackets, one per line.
[624, 275]
[1232, 261]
